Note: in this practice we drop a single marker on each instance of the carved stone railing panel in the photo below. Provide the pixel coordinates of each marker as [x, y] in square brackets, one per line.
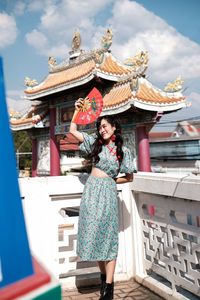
[53, 234]
[159, 229]
[171, 238]
[66, 213]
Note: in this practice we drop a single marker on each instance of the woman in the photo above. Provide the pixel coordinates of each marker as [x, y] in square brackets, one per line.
[98, 218]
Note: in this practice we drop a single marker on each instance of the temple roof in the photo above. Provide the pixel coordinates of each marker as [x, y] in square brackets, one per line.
[31, 119]
[142, 94]
[130, 88]
[83, 70]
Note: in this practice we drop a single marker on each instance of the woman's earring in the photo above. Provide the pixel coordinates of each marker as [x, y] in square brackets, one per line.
[100, 141]
[113, 138]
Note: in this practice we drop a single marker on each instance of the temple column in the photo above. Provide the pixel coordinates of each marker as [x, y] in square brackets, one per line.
[144, 163]
[54, 147]
[34, 157]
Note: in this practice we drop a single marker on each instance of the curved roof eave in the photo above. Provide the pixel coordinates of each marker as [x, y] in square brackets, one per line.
[60, 88]
[16, 127]
[67, 86]
[145, 106]
[107, 76]
[160, 107]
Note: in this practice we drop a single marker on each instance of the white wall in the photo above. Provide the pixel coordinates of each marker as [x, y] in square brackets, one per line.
[166, 242]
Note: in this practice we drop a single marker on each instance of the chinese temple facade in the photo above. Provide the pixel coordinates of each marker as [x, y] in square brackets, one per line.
[126, 93]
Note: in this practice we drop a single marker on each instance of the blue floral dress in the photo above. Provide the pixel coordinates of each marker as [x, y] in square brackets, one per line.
[98, 218]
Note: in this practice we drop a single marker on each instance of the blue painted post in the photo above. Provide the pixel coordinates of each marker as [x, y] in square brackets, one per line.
[15, 258]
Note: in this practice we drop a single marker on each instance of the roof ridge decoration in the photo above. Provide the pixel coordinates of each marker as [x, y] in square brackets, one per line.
[175, 85]
[77, 55]
[76, 41]
[84, 57]
[28, 82]
[106, 40]
[164, 93]
[138, 63]
[52, 62]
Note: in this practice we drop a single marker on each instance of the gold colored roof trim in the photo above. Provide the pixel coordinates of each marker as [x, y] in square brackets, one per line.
[175, 85]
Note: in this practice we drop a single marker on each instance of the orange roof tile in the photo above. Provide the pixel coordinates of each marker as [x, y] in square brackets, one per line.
[111, 66]
[147, 93]
[117, 95]
[74, 73]
[144, 96]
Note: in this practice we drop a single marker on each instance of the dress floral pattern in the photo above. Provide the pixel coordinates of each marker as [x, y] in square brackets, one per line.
[98, 218]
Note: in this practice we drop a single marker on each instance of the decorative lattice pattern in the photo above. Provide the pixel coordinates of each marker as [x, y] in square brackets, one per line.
[66, 208]
[171, 237]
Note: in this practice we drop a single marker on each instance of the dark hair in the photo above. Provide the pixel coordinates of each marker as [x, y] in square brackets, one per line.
[114, 122]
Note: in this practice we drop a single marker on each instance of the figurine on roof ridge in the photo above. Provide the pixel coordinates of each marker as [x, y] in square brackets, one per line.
[52, 61]
[76, 41]
[175, 85]
[138, 60]
[30, 82]
[106, 40]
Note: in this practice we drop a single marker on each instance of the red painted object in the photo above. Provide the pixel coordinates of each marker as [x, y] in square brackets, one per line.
[144, 163]
[54, 146]
[91, 108]
[24, 286]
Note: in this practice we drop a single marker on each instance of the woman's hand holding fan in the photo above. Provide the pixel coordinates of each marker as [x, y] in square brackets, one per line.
[88, 109]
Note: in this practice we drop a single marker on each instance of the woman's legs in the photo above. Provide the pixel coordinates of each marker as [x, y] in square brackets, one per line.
[102, 267]
[107, 269]
[110, 270]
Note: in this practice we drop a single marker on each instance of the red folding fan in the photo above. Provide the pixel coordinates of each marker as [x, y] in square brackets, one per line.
[91, 108]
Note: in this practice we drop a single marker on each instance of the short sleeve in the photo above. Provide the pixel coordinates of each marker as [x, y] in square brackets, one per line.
[86, 145]
[127, 165]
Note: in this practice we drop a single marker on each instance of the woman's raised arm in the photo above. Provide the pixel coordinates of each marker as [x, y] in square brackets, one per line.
[73, 127]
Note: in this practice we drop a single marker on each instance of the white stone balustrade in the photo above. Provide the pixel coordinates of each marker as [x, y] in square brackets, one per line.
[159, 237]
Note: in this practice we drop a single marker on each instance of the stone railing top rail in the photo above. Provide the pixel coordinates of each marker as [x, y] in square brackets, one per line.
[173, 185]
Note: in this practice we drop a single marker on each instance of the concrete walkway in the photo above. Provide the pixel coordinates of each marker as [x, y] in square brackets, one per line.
[123, 290]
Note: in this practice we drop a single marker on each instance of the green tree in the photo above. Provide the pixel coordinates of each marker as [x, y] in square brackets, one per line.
[22, 143]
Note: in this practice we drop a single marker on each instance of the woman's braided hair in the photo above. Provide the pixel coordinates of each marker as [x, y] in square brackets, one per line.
[97, 148]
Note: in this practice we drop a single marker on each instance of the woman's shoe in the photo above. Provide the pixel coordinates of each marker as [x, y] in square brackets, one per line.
[108, 292]
[103, 283]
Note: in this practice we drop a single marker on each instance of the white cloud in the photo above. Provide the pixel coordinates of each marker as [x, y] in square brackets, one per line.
[135, 29]
[8, 30]
[36, 5]
[68, 14]
[38, 40]
[170, 53]
[19, 8]
[15, 101]
[61, 19]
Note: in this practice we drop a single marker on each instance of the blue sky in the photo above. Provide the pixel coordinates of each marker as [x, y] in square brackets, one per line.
[32, 30]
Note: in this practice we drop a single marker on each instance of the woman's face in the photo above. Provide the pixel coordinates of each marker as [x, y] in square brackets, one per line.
[106, 130]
